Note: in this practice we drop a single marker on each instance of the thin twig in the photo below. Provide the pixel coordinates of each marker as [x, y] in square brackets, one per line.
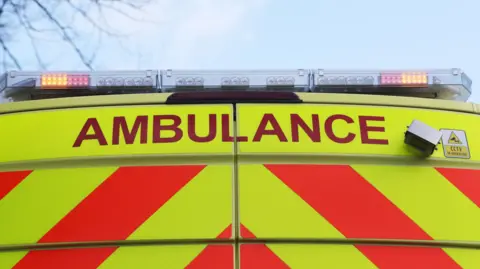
[65, 34]
[10, 55]
[49, 20]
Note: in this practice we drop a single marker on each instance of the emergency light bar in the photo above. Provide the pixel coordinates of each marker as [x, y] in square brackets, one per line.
[447, 84]
[78, 83]
[290, 80]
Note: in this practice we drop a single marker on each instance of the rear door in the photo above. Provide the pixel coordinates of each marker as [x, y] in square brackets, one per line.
[333, 186]
[137, 186]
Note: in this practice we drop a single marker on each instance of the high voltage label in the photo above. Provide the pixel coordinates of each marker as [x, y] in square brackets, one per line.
[455, 144]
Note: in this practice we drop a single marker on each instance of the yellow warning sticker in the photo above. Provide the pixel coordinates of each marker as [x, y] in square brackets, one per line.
[455, 144]
[454, 139]
[456, 152]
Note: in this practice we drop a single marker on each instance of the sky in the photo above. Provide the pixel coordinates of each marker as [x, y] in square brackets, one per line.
[255, 34]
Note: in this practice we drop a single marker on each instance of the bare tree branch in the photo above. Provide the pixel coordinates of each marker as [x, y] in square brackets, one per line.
[28, 29]
[40, 20]
[10, 54]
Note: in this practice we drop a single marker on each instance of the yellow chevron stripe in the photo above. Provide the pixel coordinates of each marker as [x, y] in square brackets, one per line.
[9, 259]
[171, 257]
[41, 200]
[202, 209]
[268, 208]
[431, 201]
[318, 256]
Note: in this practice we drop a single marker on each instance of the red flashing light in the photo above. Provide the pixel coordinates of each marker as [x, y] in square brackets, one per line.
[64, 81]
[409, 78]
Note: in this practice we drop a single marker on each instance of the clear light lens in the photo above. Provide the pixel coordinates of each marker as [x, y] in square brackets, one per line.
[119, 82]
[198, 81]
[341, 80]
[290, 81]
[322, 80]
[189, 81]
[138, 82]
[180, 81]
[226, 81]
[124, 82]
[148, 81]
[369, 80]
[281, 81]
[271, 81]
[234, 81]
[109, 82]
[129, 82]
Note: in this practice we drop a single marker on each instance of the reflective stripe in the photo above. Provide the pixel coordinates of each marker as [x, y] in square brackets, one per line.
[215, 256]
[430, 200]
[358, 210]
[270, 209]
[320, 256]
[9, 180]
[202, 209]
[41, 200]
[466, 180]
[258, 256]
[172, 257]
[111, 212]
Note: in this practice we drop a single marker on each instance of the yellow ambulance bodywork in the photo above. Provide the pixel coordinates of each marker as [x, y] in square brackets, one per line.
[132, 182]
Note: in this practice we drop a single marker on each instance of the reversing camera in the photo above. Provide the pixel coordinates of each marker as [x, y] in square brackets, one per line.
[422, 137]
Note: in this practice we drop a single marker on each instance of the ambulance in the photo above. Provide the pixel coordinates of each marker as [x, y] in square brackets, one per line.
[239, 169]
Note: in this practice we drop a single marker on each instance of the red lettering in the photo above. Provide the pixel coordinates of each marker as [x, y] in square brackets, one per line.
[226, 136]
[158, 128]
[329, 129]
[212, 129]
[277, 130]
[97, 133]
[141, 123]
[313, 133]
[364, 129]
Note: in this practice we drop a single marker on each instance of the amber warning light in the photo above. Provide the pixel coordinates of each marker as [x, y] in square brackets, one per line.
[404, 79]
[62, 81]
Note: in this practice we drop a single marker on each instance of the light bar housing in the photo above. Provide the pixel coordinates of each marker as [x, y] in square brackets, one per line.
[187, 80]
[77, 83]
[446, 84]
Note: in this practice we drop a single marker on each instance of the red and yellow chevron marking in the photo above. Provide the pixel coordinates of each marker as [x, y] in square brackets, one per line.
[383, 202]
[276, 201]
[10, 180]
[258, 256]
[215, 256]
[109, 203]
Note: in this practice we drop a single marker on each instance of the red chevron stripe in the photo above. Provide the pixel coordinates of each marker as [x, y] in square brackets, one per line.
[358, 210]
[252, 256]
[112, 211]
[466, 180]
[258, 256]
[9, 180]
[215, 256]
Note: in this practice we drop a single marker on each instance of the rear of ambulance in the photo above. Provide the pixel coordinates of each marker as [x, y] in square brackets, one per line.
[230, 169]
[337, 181]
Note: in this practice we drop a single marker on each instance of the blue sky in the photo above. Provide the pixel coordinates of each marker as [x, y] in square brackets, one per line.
[253, 34]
